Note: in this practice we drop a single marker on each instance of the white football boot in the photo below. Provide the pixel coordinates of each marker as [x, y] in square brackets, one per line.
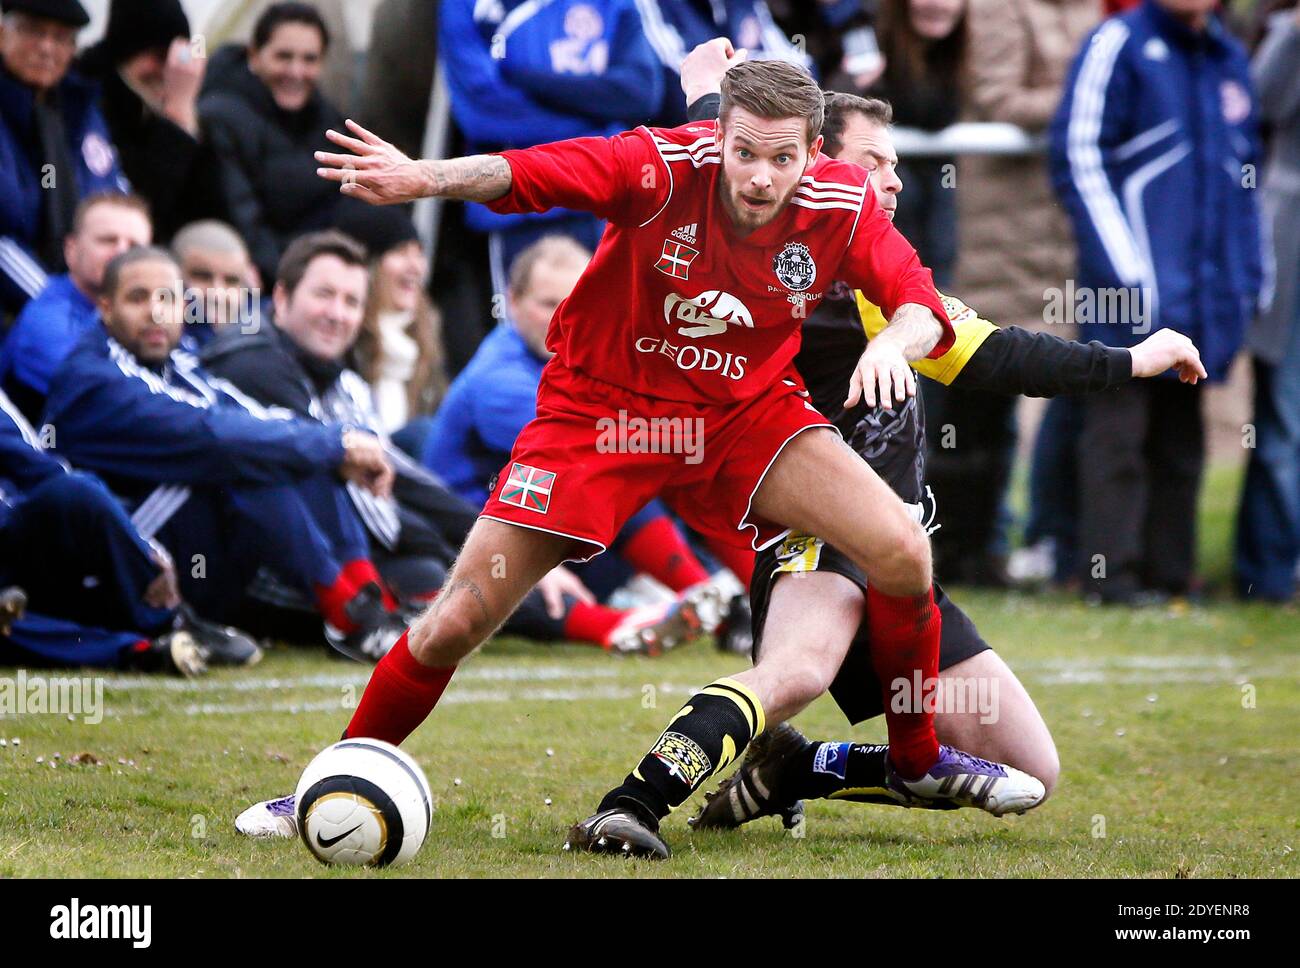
[958, 779]
[270, 818]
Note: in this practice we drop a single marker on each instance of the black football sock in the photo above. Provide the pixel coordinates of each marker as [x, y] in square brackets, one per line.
[710, 731]
[837, 771]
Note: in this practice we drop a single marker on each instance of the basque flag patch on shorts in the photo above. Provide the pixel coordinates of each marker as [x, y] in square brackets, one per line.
[528, 488]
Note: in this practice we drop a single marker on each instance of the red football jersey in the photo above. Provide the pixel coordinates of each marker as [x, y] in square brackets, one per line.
[675, 304]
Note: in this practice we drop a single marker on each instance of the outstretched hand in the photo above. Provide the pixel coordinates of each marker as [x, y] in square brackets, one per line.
[375, 172]
[1165, 349]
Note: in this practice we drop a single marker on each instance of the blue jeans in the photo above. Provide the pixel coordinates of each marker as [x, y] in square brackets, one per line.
[1268, 520]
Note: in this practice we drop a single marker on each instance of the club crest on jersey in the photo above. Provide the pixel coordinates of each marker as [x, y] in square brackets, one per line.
[794, 267]
[676, 259]
[528, 488]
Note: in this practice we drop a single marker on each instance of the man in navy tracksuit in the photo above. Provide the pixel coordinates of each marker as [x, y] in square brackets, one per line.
[227, 486]
[54, 143]
[522, 73]
[97, 593]
[1153, 152]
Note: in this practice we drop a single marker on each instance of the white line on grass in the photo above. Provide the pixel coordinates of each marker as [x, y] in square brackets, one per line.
[476, 672]
[453, 697]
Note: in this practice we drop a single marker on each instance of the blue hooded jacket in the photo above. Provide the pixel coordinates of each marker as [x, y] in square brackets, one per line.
[675, 27]
[43, 334]
[1154, 152]
[527, 72]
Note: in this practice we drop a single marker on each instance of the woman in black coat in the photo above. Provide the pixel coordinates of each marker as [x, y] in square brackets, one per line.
[264, 114]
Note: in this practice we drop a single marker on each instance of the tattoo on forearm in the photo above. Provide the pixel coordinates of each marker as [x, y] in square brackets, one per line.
[915, 329]
[478, 178]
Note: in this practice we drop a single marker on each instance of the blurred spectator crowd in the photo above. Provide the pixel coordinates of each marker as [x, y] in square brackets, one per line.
[231, 398]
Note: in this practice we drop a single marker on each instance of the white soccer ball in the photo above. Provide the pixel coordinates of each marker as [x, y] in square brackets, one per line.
[363, 802]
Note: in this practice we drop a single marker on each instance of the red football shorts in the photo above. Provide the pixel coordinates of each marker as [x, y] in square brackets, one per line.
[597, 453]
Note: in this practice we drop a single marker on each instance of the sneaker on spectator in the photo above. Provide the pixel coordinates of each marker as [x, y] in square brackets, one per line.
[13, 602]
[175, 651]
[376, 630]
[653, 629]
[222, 645]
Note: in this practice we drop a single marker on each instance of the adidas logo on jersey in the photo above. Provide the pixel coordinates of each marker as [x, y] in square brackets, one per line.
[686, 233]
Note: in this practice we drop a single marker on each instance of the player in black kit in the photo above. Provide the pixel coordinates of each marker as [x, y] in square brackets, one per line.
[980, 705]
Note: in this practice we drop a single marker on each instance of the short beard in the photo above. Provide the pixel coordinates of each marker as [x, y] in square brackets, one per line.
[739, 216]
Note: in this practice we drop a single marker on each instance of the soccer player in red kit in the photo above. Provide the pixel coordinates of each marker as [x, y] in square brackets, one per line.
[722, 236]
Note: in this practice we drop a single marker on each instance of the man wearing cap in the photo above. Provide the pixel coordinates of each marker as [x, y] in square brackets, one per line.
[54, 143]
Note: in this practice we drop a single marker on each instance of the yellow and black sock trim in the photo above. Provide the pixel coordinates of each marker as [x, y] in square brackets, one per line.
[743, 697]
[706, 735]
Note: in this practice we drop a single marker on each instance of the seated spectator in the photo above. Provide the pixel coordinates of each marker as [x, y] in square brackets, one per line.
[219, 280]
[264, 114]
[496, 395]
[399, 350]
[54, 143]
[98, 594]
[345, 22]
[226, 486]
[150, 72]
[49, 326]
[299, 364]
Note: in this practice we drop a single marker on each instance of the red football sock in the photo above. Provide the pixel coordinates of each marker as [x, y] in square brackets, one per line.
[905, 641]
[737, 558]
[332, 600]
[360, 571]
[400, 695]
[660, 550]
[591, 623]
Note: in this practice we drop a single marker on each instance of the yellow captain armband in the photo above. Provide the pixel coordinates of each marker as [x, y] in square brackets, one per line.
[971, 330]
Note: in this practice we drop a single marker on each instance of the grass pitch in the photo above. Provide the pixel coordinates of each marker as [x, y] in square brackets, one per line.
[1178, 732]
